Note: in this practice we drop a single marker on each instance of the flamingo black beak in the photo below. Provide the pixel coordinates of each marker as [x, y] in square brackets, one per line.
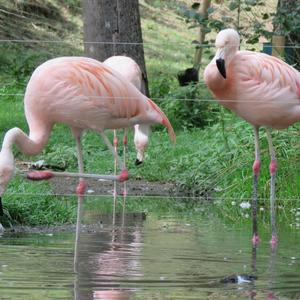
[221, 66]
[138, 162]
[1, 207]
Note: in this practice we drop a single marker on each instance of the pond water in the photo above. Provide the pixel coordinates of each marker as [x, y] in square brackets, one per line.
[149, 256]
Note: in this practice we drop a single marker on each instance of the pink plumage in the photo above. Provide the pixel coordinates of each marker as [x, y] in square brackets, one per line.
[131, 71]
[263, 90]
[84, 94]
[260, 88]
[128, 68]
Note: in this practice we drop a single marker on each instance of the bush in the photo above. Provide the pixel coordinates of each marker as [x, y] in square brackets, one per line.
[19, 66]
[186, 106]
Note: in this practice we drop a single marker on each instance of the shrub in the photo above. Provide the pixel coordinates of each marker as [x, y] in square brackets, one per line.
[186, 106]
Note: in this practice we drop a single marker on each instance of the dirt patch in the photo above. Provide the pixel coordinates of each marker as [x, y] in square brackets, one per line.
[135, 187]
[67, 186]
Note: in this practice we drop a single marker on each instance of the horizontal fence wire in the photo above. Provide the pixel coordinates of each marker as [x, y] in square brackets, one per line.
[193, 43]
[146, 44]
[157, 197]
[290, 101]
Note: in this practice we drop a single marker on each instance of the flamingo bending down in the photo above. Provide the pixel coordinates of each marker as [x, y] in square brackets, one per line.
[263, 90]
[84, 94]
[131, 71]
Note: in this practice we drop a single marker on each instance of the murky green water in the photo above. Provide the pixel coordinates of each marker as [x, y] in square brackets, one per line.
[149, 257]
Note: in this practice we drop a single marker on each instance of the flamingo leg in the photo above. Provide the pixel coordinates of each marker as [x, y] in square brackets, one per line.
[80, 190]
[124, 162]
[124, 183]
[273, 169]
[256, 169]
[111, 148]
[115, 172]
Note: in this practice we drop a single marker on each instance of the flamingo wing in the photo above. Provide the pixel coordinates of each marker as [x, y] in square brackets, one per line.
[266, 89]
[101, 91]
[265, 75]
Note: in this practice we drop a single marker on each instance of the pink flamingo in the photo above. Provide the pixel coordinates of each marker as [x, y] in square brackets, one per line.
[130, 70]
[84, 94]
[261, 89]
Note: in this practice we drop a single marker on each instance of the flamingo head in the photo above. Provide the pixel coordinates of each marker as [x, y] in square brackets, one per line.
[227, 44]
[7, 167]
[141, 140]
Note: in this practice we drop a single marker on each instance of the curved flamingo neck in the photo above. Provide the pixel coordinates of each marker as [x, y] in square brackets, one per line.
[213, 78]
[28, 145]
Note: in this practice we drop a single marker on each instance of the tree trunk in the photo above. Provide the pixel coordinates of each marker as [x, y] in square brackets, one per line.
[198, 54]
[113, 27]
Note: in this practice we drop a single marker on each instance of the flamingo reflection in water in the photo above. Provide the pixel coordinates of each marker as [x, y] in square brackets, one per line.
[109, 256]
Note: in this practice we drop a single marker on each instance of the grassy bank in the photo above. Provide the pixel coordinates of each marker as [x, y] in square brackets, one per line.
[214, 150]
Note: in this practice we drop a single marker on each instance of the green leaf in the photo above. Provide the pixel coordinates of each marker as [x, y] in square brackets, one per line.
[234, 5]
[251, 2]
[210, 10]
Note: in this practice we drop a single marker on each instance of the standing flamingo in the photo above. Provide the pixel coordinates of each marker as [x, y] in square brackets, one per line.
[263, 90]
[84, 94]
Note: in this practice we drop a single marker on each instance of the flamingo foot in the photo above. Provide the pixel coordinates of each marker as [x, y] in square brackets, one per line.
[124, 175]
[274, 241]
[39, 175]
[255, 240]
[81, 187]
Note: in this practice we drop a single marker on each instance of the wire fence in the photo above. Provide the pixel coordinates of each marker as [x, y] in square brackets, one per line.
[157, 197]
[206, 45]
[28, 18]
[213, 100]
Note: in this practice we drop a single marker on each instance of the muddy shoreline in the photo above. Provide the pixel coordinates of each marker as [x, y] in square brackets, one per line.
[135, 187]
[67, 186]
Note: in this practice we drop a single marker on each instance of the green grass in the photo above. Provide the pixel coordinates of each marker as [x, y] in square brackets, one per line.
[213, 160]
[34, 204]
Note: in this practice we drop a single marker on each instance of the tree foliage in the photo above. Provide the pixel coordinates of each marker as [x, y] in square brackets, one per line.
[287, 17]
